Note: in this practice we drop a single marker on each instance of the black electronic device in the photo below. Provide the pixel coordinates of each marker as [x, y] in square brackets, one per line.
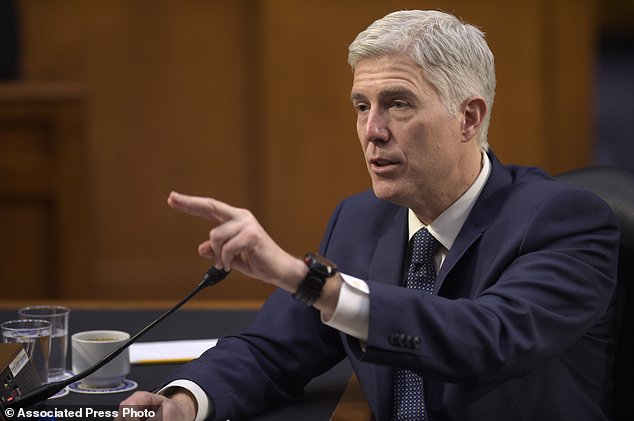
[18, 374]
[23, 400]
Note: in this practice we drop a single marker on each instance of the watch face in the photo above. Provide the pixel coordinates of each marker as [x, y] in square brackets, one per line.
[320, 264]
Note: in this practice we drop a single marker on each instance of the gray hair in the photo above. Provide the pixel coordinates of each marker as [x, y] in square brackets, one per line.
[453, 55]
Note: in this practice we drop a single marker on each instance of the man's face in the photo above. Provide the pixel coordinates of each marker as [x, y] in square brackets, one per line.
[412, 146]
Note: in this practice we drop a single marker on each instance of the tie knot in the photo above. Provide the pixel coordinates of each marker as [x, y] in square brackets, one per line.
[424, 245]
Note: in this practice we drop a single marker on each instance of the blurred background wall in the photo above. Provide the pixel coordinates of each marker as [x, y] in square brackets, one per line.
[113, 104]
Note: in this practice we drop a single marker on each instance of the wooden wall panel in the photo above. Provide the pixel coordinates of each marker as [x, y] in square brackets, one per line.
[26, 248]
[172, 116]
[247, 101]
[569, 94]
[168, 111]
[44, 179]
[313, 158]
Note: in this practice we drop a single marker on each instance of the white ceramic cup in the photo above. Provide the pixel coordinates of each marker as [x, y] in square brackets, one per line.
[91, 346]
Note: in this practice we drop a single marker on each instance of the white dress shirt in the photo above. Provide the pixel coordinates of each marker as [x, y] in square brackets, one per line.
[352, 313]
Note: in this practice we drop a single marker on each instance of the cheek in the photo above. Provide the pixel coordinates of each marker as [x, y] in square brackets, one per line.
[359, 128]
[363, 143]
[361, 137]
[359, 131]
[424, 149]
[415, 140]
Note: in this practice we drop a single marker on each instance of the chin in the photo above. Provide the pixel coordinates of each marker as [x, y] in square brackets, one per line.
[387, 193]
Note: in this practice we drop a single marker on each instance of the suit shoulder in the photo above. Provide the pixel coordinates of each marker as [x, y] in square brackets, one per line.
[535, 182]
[533, 190]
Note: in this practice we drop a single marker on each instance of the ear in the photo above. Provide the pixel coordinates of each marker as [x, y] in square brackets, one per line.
[473, 112]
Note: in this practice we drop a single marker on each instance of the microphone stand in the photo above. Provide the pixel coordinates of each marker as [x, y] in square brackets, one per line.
[212, 277]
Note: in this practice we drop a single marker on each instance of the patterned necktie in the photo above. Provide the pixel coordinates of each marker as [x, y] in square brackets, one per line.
[409, 402]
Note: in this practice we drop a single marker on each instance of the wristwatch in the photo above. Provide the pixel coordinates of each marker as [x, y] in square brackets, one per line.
[319, 269]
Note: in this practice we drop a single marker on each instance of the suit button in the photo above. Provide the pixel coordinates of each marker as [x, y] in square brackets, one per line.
[415, 342]
[397, 339]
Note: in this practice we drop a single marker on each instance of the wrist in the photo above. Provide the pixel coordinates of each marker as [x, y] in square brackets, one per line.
[329, 297]
[186, 401]
[296, 274]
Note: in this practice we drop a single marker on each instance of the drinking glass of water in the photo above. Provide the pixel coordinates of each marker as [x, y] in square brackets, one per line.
[35, 335]
[58, 316]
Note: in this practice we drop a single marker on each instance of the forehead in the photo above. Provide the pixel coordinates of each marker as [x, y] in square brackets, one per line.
[375, 75]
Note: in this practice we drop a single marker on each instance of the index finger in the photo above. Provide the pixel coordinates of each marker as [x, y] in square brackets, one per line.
[202, 207]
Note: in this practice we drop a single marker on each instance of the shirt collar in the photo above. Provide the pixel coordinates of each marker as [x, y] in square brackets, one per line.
[446, 227]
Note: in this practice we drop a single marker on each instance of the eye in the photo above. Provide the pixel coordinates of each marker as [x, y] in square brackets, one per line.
[398, 104]
[361, 107]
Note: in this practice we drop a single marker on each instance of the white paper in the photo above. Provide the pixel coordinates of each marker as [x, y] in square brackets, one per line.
[165, 352]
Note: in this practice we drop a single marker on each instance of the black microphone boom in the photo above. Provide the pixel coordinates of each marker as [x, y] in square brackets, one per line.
[212, 277]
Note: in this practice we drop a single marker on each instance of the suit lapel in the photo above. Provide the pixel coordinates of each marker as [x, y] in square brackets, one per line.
[390, 248]
[480, 218]
[468, 235]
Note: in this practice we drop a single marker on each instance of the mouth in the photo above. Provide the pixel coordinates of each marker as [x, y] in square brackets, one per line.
[382, 165]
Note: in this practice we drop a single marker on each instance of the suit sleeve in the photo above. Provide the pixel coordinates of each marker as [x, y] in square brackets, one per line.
[269, 363]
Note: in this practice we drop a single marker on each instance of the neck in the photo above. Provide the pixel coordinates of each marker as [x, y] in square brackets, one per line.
[450, 190]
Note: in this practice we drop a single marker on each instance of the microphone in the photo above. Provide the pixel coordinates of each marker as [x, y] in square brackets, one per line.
[212, 277]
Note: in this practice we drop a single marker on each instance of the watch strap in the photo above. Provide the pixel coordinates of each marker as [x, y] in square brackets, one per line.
[319, 270]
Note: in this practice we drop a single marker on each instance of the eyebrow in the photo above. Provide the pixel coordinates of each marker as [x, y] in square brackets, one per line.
[396, 92]
[356, 97]
[387, 93]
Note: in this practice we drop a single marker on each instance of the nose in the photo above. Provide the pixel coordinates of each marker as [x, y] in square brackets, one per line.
[376, 127]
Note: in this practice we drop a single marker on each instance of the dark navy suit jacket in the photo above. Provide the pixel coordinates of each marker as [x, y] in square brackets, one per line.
[520, 326]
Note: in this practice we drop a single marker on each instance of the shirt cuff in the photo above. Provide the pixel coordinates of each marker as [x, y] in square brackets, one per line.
[352, 313]
[204, 404]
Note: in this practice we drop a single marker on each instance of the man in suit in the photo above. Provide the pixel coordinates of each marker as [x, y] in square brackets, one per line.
[498, 308]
